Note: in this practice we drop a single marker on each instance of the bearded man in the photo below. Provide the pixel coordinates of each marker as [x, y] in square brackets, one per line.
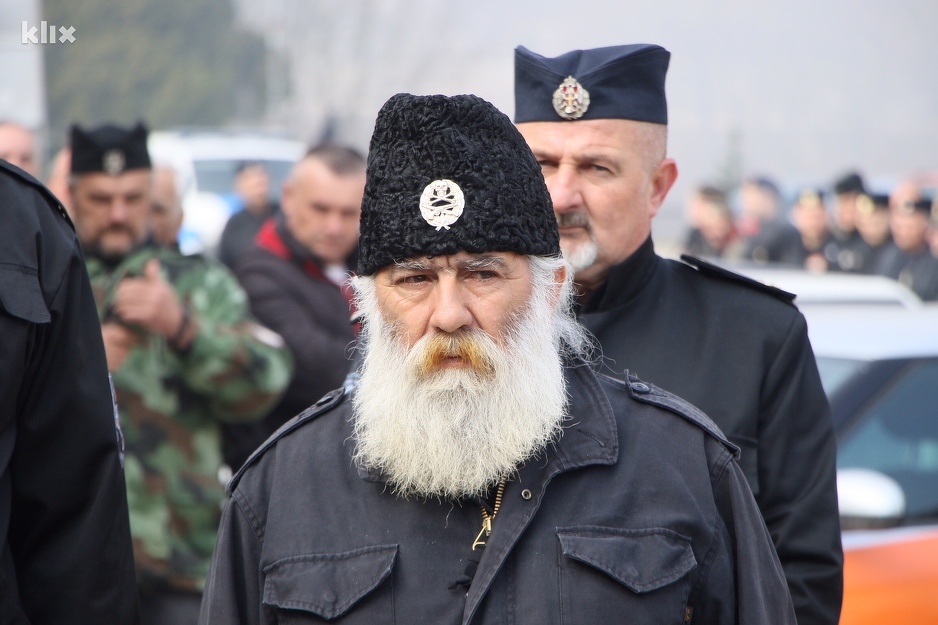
[480, 471]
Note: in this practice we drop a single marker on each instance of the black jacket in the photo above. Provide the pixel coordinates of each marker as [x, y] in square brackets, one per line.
[739, 351]
[638, 512]
[64, 531]
[290, 295]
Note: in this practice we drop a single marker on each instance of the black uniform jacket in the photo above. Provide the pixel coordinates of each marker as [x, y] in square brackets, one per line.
[65, 550]
[637, 513]
[739, 351]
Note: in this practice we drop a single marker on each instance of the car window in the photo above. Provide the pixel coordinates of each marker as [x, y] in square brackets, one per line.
[898, 435]
[835, 371]
[217, 175]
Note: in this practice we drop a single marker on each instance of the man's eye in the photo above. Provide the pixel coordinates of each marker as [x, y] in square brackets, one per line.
[412, 279]
[485, 274]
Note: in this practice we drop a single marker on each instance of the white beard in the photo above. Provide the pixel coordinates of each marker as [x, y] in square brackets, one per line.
[582, 256]
[456, 432]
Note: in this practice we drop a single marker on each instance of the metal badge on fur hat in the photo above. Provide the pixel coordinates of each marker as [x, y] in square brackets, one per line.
[451, 174]
[617, 82]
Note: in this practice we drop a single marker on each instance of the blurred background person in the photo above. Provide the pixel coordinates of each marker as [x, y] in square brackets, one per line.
[165, 207]
[252, 188]
[817, 252]
[873, 227]
[18, 146]
[295, 277]
[65, 549]
[767, 234]
[847, 240]
[933, 229]
[184, 356]
[909, 259]
[58, 179]
[715, 235]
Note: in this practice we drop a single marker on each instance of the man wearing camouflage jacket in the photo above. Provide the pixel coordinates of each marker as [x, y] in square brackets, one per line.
[184, 356]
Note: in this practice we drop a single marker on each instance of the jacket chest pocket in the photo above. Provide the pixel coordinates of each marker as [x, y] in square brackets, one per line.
[611, 575]
[351, 588]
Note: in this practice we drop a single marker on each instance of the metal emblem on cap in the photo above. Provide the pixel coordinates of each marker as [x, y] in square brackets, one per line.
[441, 203]
[113, 162]
[571, 100]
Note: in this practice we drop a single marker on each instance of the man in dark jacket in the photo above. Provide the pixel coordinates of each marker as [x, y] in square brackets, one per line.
[480, 472]
[597, 122]
[65, 548]
[295, 276]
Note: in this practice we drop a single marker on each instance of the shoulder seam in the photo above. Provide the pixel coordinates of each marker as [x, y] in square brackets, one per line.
[648, 393]
[721, 273]
[328, 401]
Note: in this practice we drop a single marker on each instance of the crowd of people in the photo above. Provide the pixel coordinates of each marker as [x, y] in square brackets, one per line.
[453, 379]
[847, 227]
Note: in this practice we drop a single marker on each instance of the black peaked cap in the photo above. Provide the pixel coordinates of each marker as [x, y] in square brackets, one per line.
[462, 159]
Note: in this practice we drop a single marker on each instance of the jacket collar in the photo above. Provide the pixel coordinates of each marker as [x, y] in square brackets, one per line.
[625, 281]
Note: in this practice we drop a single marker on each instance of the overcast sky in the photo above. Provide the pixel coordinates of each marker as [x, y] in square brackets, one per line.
[801, 90]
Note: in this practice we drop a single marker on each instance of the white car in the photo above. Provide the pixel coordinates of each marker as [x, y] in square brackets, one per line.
[834, 288]
[206, 161]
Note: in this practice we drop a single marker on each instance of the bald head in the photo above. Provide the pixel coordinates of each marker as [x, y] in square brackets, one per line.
[18, 146]
[165, 207]
[322, 202]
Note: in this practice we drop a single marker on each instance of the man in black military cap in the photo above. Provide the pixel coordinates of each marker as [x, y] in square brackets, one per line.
[597, 123]
[185, 358]
[480, 471]
[873, 228]
[847, 241]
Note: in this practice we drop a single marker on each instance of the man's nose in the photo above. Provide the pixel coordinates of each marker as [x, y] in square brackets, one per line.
[118, 211]
[451, 312]
[565, 192]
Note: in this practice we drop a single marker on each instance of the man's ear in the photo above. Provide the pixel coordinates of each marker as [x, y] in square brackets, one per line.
[661, 182]
[560, 276]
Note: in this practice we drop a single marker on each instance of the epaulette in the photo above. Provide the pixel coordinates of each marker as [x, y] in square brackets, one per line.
[648, 393]
[328, 401]
[715, 271]
[54, 202]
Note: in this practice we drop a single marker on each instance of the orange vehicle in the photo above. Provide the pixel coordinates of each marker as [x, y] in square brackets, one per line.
[879, 366]
[890, 576]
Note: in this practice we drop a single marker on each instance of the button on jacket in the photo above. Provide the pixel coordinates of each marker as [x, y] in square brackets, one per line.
[638, 511]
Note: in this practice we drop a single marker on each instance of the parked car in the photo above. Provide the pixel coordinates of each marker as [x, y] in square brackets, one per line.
[879, 366]
[848, 289]
[206, 161]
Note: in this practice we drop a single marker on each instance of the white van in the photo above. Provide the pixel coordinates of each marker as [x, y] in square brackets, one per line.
[206, 161]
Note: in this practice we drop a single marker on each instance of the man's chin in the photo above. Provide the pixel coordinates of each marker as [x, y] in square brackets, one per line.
[581, 254]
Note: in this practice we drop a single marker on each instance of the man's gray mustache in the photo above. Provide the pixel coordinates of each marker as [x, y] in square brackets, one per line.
[573, 220]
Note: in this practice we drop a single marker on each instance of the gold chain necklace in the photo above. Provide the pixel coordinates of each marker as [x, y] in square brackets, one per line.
[487, 518]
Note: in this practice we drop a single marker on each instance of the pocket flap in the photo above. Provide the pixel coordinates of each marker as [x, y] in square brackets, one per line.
[641, 560]
[327, 584]
[21, 295]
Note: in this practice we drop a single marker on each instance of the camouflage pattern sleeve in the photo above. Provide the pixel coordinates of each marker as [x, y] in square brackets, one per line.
[240, 367]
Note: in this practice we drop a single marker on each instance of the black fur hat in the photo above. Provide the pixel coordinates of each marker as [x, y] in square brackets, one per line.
[110, 149]
[450, 174]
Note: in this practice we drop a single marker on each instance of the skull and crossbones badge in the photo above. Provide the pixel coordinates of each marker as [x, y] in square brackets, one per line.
[442, 203]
